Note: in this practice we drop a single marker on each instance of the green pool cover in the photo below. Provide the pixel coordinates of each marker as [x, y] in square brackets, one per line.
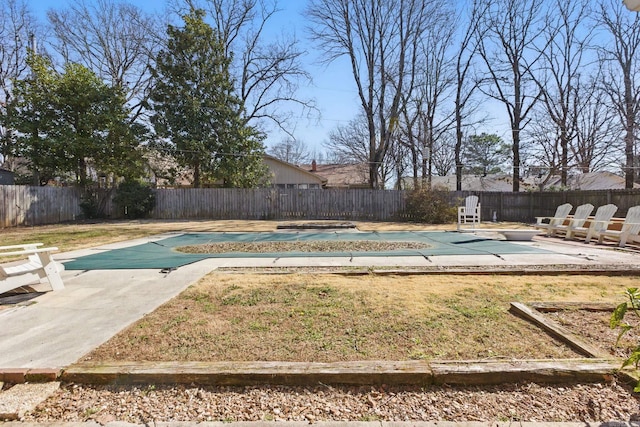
[162, 254]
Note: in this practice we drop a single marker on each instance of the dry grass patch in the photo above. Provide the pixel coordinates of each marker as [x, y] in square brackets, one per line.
[324, 318]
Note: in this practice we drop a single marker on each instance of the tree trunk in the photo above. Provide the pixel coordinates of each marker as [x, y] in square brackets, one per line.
[458, 149]
[515, 133]
[629, 139]
[196, 175]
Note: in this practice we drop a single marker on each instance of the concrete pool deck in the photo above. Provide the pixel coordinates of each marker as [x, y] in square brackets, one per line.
[56, 329]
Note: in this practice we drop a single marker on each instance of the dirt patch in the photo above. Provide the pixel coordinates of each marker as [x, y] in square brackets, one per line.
[594, 327]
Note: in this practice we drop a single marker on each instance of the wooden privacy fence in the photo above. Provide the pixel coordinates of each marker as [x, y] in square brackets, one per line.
[23, 205]
[524, 207]
[222, 203]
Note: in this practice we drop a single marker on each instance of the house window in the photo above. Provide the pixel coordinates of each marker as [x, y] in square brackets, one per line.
[303, 186]
[281, 186]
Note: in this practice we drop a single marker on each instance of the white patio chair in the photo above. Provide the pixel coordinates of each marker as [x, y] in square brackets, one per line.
[579, 217]
[558, 218]
[470, 212]
[38, 267]
[629, 231]
[599, 222]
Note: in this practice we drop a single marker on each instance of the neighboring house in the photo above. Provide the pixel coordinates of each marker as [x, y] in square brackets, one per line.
[503, 183]
[165, 173]
[285, 175]
[7, 177]
[499, 183]
[591, 181]
[354, 175]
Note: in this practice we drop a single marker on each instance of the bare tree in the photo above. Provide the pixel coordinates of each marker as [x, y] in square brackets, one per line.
[115, 40]
[598, 133]
[435, 82]
[512, 27]
[563, 62]
[542, 146]
[622, 80]
[268, 70]
[423, 120]
[465, 83]
[349, 142]
[18, 29]
[443, 158]
[380, 39]
[397, 164]
[290, 150]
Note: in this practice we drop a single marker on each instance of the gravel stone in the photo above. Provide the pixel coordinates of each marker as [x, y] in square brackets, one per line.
[310, 246]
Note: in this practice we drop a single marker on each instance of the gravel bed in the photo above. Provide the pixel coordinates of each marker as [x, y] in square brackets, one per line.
[523, 402]
[302, 246]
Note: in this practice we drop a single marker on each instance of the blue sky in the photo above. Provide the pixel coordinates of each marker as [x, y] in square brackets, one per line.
[332, 88]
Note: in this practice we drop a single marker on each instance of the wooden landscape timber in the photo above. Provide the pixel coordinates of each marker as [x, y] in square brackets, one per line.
[557, 331]
[415, 372]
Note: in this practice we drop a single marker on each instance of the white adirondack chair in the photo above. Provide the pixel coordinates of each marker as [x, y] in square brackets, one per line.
[558, 218]
[470, 212]
[599, 222]
[579, 217]
[628, 233]
[38, 266]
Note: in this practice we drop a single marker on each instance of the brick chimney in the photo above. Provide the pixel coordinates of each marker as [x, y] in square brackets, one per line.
[314, 166]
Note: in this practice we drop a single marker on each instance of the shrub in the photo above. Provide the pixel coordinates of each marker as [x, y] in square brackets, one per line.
[134, 199]
[90, 207]
[93, 202]
[430, 206]
[617, 322]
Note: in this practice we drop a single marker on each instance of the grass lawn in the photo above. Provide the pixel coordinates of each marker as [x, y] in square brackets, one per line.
[330, 317]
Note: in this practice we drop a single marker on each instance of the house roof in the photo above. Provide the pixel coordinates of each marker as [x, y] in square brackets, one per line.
[501, 183]
[342, 175]
[294, 171]
[498, 183]
[592, 181]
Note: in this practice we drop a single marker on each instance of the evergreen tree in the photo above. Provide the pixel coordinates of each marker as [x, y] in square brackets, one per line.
[485, 154]
[73, 124]
[196, 111]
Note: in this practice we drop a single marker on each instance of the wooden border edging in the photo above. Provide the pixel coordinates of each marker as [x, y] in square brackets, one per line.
[470, 271]
[557, 331]
[349, 373]
[553, 307]
[251, 373]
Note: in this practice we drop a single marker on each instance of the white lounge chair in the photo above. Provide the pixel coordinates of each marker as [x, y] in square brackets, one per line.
[579, 217]
[628, 233]
[38, 266]
[470, 212]
[599, 223]
[549, 222]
